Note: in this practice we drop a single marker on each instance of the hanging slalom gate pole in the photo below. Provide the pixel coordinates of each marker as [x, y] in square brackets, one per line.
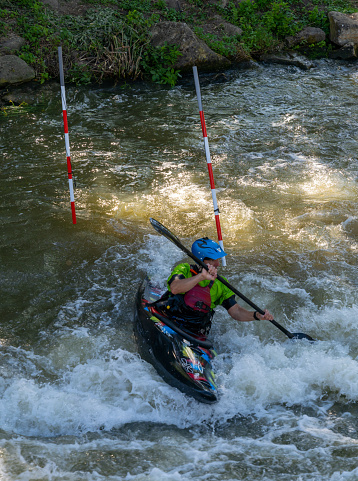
[208, 161]
[67, 142]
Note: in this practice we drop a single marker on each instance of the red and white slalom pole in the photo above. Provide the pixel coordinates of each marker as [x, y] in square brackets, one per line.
[67, 141]
[208, 161]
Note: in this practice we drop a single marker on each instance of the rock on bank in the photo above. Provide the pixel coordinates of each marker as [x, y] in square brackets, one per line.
[193, 50]
[344, 34]
[14, 70]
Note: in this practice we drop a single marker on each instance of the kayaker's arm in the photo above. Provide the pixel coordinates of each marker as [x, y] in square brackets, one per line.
[180, 286]
[243, 315]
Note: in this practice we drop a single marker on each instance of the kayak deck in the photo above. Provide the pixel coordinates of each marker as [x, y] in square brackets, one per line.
[182, 359]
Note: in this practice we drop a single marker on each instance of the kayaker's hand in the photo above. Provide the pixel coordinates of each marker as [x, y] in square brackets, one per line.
[265, 317]
[210, 274]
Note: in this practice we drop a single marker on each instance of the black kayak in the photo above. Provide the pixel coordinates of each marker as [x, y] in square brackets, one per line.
[181, 358]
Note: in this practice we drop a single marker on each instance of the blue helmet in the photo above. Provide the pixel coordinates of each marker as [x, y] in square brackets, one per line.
[206, 248]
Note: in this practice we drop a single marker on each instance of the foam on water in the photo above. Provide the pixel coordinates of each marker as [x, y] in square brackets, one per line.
[157, 257]
[76, 400]
[86, 379]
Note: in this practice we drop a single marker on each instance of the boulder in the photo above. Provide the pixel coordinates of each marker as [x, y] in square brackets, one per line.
[307, 36]
[226, 28]
[349, 51]
[343, 28]
[14, 70]
[194, 51]
[11, 43]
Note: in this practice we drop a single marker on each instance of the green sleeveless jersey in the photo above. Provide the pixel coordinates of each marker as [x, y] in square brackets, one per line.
[218, 292]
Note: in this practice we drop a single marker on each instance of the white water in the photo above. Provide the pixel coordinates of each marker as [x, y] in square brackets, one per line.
[76, 400]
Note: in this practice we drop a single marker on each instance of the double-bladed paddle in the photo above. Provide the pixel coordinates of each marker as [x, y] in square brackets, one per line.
[173, 238]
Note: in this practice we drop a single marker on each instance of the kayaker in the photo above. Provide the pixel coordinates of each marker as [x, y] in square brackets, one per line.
[193, 292]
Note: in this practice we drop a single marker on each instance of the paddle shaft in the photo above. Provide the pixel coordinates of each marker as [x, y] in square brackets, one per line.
[164, 231]
[235, 291]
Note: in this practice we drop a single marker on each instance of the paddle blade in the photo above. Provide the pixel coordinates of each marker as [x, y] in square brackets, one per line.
[164, 231]
[173, 238]
[300, 335]
[294, 336]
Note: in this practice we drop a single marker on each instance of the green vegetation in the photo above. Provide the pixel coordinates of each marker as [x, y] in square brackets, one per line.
[14, 109]
[102, 43]
[266, 23]
[109, 38]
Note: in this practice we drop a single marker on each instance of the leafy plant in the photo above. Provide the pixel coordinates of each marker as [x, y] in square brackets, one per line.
[28, 56]
[280, 19]
[258, 40]
[139, 5]
[79, 74]
[159, 61]
[5, 14]
[160, 4]
[318, 18]
[174, 16]
[228, 46]
[14, 109]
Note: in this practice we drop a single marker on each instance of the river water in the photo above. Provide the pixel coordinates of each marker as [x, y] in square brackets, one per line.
[76, 400]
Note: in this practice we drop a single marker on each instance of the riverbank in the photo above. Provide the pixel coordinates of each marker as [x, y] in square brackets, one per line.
[159, 40]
